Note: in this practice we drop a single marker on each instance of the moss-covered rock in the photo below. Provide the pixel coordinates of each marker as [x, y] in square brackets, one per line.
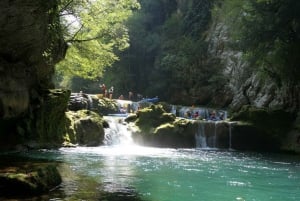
[44, 124]
[29, 180]
[31, 44]
[179, 133]
[152, 117]
[84, 127]
[104, 106]
[152, 126]
[261, 129]
[50, 119]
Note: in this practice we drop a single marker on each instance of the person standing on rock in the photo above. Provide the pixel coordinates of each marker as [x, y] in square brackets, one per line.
[103, 89]
[130, 95]
[111, 91]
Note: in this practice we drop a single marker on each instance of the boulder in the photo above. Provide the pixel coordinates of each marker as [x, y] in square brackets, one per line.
[105, 106]
[79, 101]
[152, 126]
[84, 127]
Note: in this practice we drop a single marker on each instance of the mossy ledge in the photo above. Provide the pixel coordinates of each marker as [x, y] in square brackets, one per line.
[261, 129]
[153, 126]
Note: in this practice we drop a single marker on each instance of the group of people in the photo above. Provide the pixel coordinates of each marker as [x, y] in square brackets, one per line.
[190, 115]
[212, 116]
[107, 93]
[132, 97]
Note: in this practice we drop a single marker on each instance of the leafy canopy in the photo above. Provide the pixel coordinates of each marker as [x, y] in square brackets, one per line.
[94, 31]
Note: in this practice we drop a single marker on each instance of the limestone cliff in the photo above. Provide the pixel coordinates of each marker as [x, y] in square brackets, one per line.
[247, 87]
[250, 87]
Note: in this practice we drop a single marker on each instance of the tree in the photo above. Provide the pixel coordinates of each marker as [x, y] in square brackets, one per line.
[94, 31]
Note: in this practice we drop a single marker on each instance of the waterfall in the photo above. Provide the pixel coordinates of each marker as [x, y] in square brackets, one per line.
[200, 137]
[90, 102]
[117, 133]
[206, 135]
[230, 133]
[213, 134]
[127, 106]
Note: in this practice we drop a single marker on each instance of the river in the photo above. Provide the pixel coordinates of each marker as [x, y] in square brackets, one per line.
[133, 173]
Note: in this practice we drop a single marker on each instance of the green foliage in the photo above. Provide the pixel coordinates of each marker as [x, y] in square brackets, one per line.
[133, 71]
[168, 55]
[95, 31]
[197, 18]
[185, 55]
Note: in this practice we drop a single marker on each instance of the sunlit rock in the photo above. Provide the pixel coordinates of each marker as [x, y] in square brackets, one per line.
[152, 126]
[84, 127]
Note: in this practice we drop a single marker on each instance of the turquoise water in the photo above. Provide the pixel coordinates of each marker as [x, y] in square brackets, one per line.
[155, 174]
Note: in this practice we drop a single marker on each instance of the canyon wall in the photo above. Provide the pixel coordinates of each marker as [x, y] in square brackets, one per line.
[31, 43]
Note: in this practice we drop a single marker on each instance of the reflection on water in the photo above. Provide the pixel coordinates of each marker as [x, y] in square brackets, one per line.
[153, 174]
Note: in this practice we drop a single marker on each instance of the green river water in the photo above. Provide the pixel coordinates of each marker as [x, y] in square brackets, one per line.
[126, 172]
[111, 173]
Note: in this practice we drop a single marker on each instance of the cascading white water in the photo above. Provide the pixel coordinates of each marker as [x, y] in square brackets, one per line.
[200, 137]
[117, 133]
[90, 103]
[206, 134]
[213, 134]
[209, 135]
[230, 133]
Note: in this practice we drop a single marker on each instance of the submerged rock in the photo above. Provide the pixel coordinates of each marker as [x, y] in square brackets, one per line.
[29, 181]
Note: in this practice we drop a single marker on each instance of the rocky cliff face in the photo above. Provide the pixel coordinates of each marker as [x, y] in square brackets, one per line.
[247, 86]
[30, 44]
[26, 40]
[250, 88]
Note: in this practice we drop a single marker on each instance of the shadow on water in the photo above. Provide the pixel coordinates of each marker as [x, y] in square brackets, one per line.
[121, 196]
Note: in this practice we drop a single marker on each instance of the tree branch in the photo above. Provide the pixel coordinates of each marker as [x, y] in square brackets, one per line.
[65, 6]
[83, 40]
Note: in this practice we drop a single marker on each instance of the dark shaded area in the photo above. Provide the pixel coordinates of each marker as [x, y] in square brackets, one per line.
[261, 129]
[26, 177]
